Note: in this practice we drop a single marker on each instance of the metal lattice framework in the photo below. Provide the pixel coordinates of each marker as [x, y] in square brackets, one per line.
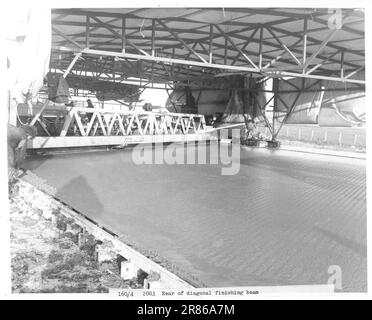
[125, 123]
[81, 127]
[194, 46]
[80, 121]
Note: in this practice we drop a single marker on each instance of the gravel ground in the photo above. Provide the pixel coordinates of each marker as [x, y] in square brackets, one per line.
[45, 258]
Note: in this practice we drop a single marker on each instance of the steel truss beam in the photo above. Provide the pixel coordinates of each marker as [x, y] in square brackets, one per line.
[268, 72]
[202, 55]
[124, 123]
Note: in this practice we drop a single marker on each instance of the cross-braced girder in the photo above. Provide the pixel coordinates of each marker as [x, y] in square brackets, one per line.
[186, 44]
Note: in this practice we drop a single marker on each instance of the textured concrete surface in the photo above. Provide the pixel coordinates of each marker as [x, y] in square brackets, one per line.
[283, 220]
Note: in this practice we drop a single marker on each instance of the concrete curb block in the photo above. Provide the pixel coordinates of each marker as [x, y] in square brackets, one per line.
[166, 279]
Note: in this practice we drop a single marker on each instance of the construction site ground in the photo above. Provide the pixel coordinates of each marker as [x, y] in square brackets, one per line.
[285, 219]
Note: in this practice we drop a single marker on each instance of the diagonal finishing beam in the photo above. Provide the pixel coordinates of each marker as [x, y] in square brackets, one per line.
[182, 41]
[236, 47]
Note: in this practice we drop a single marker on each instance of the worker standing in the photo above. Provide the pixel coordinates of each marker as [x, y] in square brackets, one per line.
[17, 146]
[89, 114]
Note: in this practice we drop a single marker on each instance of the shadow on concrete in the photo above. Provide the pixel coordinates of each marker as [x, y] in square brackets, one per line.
[80, 195]
[33, 162]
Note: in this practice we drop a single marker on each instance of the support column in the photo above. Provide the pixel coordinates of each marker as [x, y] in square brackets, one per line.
[260, 49]
[211, 43]
[304, 43]
[153, 39]
[225, 53]
[273, 143]
[87, 32]
[275, 90]
[123, 35]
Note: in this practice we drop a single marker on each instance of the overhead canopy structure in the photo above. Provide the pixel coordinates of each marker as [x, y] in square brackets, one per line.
[193, 46]
[193, 49]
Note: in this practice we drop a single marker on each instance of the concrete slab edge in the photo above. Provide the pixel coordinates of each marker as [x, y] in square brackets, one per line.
[167, 279]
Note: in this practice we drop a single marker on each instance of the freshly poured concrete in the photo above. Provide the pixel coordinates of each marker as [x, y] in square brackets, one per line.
[284, 219]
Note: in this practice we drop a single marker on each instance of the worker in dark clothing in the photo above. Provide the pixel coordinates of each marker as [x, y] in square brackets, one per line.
[191, 106]
[251, 129]
[90, 114]
[190, 100]
[17, 146]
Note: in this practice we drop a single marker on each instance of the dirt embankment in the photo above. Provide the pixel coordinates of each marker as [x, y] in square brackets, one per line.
[48, 256]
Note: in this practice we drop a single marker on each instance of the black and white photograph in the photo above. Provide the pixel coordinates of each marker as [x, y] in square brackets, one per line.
[185, 151]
